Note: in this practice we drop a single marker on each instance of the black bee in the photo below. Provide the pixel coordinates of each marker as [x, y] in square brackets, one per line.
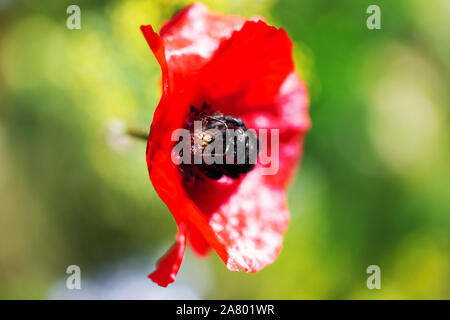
[240, 145]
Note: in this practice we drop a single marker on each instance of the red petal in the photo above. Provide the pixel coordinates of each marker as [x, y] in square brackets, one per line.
[167, 181]
[198, 242]
[247, 70]
[192, 36]
[168, 266]
[157, 46]
[251, 223]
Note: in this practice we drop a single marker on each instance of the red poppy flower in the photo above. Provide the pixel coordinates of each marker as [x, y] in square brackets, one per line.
[240, 69]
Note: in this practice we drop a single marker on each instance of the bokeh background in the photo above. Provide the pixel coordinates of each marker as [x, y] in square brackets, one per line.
[374, 185]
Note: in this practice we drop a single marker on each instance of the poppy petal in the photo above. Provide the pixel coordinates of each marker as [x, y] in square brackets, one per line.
[198, 242]
[168, 266]
[192, 36]
[248, 69]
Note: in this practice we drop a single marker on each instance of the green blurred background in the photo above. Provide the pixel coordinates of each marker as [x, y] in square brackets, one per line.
[374, 186]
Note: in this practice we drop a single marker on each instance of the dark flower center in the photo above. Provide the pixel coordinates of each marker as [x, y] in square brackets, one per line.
[220, 145]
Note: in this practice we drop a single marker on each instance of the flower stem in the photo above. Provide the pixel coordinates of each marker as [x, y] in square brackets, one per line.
[138, 134]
